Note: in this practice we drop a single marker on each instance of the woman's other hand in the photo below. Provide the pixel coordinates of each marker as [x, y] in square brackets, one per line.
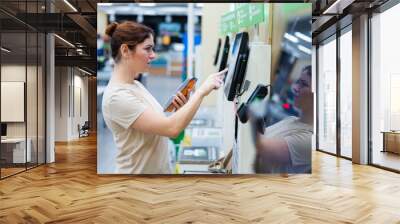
[213, 81]
[179, 100]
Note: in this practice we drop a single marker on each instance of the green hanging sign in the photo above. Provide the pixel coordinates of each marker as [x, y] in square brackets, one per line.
[295, 7]
[229, 23]
[223, 28]
[256, 11]
[243, 16]
[266, 11]
[233, 26]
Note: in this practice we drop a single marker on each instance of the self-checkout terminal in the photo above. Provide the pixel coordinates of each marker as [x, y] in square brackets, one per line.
[236, 76]
[237, 66]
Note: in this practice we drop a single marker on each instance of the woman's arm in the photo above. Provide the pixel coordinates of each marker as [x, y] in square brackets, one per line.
[153, 122]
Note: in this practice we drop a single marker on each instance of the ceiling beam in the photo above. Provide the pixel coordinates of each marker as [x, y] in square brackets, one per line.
[82, 61]
[86, 27]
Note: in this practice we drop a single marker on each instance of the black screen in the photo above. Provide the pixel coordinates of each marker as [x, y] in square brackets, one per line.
[3, 129]
[224, 56]
[217, 53]
[237, 65]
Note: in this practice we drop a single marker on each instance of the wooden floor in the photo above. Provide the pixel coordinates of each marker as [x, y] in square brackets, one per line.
[70, 191]
[10, 171]
[387, 159]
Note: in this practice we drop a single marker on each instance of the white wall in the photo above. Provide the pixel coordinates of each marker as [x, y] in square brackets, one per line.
[17, 73]
[225, 116]
[33, 127]
[212, 13]
[70, 84]
[61, 103]
[80, 102]
[14, 73]
[82, 83]
[12, 101]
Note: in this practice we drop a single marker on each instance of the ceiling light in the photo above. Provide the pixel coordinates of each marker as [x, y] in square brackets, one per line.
[65, 41]
[79, 51]
[147, 4]
[105, 4]
[303, 37]
[291, 38]
[338, 6]
[5, 49]
[70, 5]
[331, 7]
[78, 44]
[304, 49]
[84, 71]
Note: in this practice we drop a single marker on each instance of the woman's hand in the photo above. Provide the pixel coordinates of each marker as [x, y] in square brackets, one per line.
[213, 81]
[179, 101]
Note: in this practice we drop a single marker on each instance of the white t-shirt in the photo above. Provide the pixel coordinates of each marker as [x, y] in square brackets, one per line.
[298, 138]
[138, 152]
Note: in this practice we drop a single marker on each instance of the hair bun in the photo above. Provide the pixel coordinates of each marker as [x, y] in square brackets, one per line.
[111, 28]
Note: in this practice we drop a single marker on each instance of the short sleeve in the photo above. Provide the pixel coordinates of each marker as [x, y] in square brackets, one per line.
[124, 108]
[299, 145]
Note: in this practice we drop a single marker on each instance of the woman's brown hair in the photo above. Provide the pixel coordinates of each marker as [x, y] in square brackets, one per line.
[127, 32]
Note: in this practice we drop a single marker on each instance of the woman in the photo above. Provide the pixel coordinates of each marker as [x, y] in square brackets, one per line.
[137, 122]
[286, 146]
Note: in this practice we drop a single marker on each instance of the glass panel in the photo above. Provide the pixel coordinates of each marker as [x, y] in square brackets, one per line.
[327, 97]
[31, 97]
[41, 99]
[13, 86]
[346, 94]
[385, 86]
[32, 84]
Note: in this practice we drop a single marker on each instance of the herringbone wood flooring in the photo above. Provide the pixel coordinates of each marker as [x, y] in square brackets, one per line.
[70, 191]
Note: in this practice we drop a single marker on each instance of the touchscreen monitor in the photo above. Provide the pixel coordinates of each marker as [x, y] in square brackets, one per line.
[237, 65]
[224, 55]
[218, 50]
